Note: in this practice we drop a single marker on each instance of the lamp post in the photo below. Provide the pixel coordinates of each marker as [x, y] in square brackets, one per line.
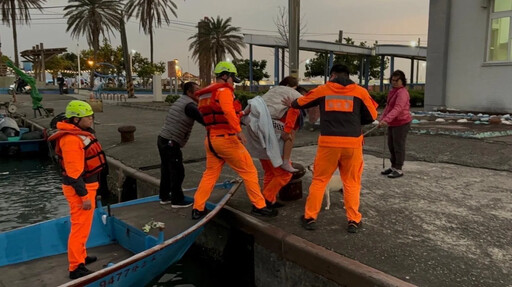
[79, 81]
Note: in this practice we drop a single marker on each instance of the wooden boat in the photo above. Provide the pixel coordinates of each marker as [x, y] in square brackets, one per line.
[36, 255]
[24, 143]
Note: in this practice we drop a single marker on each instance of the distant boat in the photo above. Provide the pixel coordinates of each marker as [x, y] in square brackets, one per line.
[15, 140]
[36, 255]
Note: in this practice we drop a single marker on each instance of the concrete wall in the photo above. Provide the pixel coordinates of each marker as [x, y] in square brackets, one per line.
[458, 75]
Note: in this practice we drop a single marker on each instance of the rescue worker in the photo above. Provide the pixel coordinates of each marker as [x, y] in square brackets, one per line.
[225, 141]
[276, 178]
[344, 108]
[81, 159]
[173, 136]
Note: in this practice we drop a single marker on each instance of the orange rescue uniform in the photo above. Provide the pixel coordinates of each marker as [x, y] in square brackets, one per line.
[344, 107]
[225, 144]
[81, 160]
[275, 177]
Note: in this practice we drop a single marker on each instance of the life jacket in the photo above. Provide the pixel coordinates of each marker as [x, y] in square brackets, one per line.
[209, 106]
[95, 159]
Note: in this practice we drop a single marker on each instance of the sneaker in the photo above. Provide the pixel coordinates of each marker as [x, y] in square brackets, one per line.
[196, 214]
[353, 226]
[271, 205]
[80, 271]
[182, 204]
[308, 223]
[265, 211]
[396, 173]
[90, 259]
[165, 202]
[387, 171]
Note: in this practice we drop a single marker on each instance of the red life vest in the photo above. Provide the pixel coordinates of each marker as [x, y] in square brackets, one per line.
[209, 106]
[95, 159]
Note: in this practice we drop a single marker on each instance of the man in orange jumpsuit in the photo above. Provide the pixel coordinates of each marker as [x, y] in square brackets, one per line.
[81, 158]
[344, 108]
[224, 142]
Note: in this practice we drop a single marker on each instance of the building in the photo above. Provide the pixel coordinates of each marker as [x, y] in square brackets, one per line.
[470, 55]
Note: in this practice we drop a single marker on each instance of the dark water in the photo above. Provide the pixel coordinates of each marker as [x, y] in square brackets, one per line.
[30, 192]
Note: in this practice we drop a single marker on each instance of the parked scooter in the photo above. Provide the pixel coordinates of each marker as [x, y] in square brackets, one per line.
[24, 89]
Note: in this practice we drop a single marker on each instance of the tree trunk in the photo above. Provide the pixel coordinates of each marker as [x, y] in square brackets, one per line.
[151, 37]
[127, 59]
[14, 33]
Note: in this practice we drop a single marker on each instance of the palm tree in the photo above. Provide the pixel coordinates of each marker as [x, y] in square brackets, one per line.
[215, 38]
[151, 13]
[13, 10]
[93, 18]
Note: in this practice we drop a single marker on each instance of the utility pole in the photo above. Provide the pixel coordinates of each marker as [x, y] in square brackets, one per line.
[205, 63]
[340, 36]
[418, 63]
[293, 37]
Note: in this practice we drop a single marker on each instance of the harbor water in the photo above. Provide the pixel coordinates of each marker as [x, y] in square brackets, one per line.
[30, 192]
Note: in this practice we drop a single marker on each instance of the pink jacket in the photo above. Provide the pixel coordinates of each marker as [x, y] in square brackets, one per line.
[397, 111]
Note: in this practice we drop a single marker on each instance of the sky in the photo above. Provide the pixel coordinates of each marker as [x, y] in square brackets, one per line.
[387, 21]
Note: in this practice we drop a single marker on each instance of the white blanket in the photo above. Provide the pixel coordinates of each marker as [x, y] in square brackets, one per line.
[262, 140]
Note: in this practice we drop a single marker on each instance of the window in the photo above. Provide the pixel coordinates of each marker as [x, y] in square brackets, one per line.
[500, 37]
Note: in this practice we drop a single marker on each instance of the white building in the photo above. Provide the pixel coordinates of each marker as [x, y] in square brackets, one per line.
[470, 55]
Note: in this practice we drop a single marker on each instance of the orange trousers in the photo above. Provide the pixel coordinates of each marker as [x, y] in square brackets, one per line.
[273, 180]
[81, 222]
[350, 163]
[232, 152]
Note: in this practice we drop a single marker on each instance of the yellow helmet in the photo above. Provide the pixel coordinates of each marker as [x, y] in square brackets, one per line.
[78, 109]
[227, 67]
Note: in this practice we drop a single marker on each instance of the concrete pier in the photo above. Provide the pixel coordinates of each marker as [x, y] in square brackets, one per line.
[447, 222]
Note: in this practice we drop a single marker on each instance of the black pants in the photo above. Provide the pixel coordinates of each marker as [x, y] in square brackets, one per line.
[396, 144]
[61, 89]
[172, 171]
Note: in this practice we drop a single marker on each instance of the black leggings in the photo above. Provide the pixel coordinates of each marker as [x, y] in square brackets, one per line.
[396, 144]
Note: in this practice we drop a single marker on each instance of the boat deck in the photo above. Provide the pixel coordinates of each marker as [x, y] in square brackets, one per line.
[52, 271]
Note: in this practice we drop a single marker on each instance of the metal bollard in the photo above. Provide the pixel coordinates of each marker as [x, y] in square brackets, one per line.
[127, 133]
[293, 189]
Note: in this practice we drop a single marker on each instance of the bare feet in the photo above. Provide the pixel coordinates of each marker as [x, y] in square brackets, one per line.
[288, 166]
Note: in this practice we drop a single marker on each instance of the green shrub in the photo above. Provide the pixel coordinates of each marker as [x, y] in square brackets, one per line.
[379, 97]
[416, 98]
[244, 96]
[171, 98]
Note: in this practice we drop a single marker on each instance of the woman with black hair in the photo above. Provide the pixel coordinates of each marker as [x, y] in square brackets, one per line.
[397, 118]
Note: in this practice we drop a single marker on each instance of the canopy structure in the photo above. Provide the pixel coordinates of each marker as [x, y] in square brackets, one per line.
[38, 56]
[333, 48]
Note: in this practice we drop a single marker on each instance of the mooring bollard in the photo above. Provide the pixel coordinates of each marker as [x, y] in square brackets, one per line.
[127, 133]
[293, 189]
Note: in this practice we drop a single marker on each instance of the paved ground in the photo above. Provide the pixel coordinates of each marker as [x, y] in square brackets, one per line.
[447, 222]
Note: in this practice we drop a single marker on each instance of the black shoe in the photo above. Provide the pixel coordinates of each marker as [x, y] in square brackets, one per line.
[90, 259]
[387, 171]
[271, 205]
[181, 204]
[308, 223]
[353, 226]
[265, 211]
[80, 271]
[196, 214]
[396, 173]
